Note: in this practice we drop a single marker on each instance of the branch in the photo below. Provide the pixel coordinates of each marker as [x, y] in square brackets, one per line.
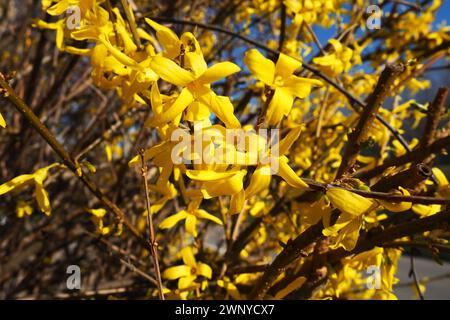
[374, 102]
[435, 112]
[416, 155]
[151, 230]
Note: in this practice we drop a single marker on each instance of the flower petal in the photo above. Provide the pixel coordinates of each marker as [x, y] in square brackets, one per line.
[171, 72]
[181, 103]
[188, 257]
[167, 38]
[169, 222]
[290, 176]
[260, 181]
[218, 71]
[261, 67]
[279, 106]
[349, 202]
[286, 65]
[204, 270]
[205, 215]
[301, 87]
[191, 224]
[177, 272]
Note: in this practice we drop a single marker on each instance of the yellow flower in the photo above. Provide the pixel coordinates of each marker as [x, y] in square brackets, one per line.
[97, 217]
[262, 175]
[190, 216]
[337, 62]
[196, 87]
[188, 272]
[23, 208]
[37, 178]
[280, 78]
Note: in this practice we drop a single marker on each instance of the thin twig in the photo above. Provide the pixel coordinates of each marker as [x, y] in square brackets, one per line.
[151, 231]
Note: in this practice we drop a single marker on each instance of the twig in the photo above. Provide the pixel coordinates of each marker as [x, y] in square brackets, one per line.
[374, 102]
[151, 231]
[412, 273]
[435, 111]
[314, 36]
[416, 155]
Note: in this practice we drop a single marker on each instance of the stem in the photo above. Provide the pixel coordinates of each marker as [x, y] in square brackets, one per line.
[151, 231]
[375, 100]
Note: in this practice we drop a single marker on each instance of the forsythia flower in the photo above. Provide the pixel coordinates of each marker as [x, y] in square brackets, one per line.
[188, 272]
[337, 62]
[97, 217]
[196, 87]
[190, 216]
[281, 79]
[37, 178]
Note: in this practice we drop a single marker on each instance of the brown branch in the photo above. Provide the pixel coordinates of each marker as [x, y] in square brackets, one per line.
[416, 155]
[151, 230]
[374, 102]
[435, 112]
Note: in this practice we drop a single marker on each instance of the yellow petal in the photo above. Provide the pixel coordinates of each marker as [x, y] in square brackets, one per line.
[237, 202]
[260, 181]
[149, 153]
[204, 270]
[119, 55]
[176, 109]
[186, 282]
[15, 183]
[218, 71]
[350, 202]
[289, 175]
[42, 199]
[205, 215]
[397, 206]
[426, 210]
[171, 72]
[99, 213]
[191, 224]
[300, 87]
[222, 107]
[207, 175]
[279, 106]
[58, 8]
[2, 121]
[188, 257]
[263, 69]
[229, 186]
[169, 222]
[167, 38]
[289, 140]
[177, 272]
[286, 65]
